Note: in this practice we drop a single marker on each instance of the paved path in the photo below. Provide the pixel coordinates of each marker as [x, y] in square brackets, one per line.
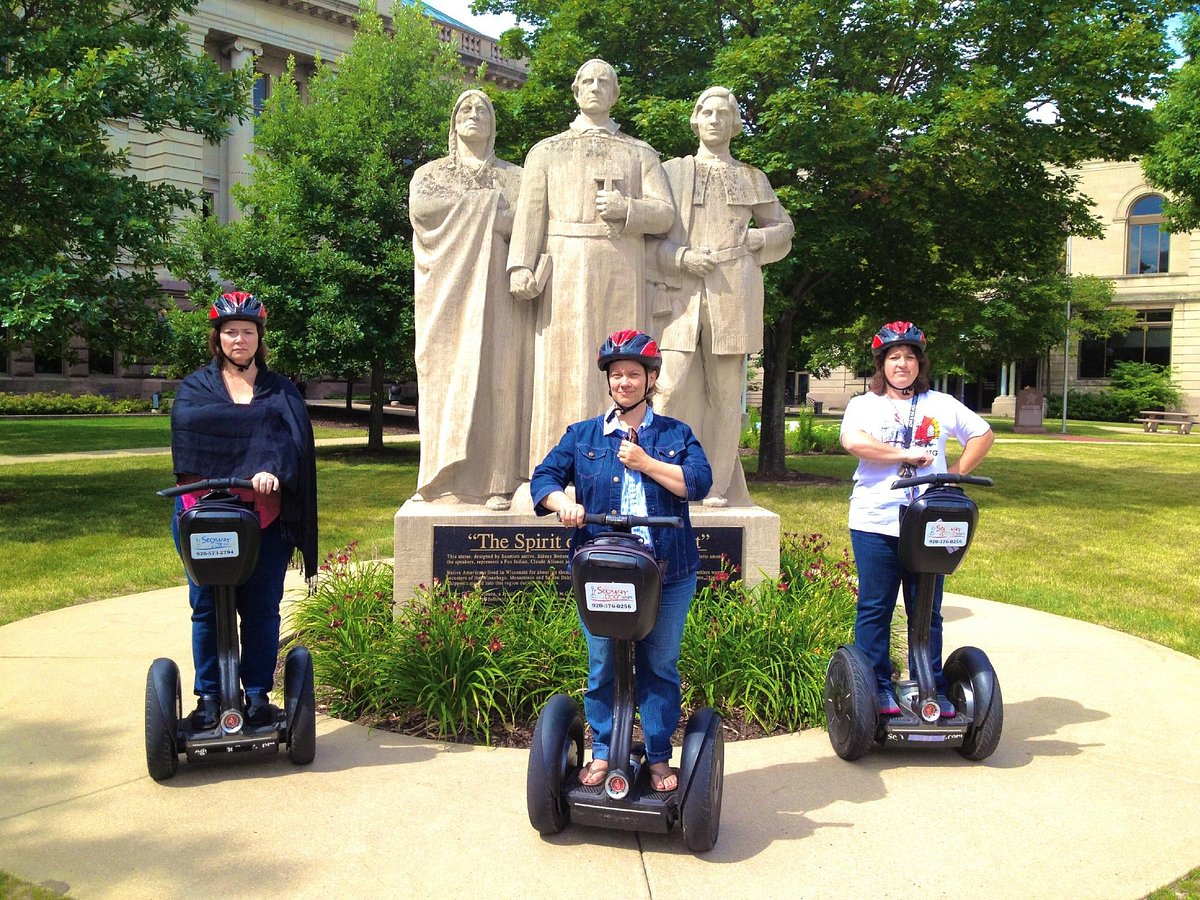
[1092, 793]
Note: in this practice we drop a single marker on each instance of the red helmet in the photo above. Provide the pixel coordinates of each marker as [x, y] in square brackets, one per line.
[898, 333]
[238, 305]
[629, 344]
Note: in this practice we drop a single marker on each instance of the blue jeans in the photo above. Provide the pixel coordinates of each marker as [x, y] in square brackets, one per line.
[258, 612]
[656, 658]
[880, 577]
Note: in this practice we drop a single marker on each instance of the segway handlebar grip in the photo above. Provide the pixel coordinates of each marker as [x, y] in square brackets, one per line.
[941, 478]
[619, 521]
[207, 484]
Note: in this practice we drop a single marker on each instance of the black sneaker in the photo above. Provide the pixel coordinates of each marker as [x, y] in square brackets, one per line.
[947, 708]
[260, 711]
[208, 710]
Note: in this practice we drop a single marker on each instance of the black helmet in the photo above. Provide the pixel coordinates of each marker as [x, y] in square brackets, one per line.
[629, 344]
[898, 333]
[238, 305]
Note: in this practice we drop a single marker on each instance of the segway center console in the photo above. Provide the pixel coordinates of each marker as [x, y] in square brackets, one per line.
[218, 539]
[617, 584]
[935, 532]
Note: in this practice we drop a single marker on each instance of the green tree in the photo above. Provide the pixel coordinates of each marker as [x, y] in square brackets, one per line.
[1174, 163]
[326, 240]
[923, 149]
[81, 235]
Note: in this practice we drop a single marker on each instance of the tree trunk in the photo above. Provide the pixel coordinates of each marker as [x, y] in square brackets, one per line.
[777, 341]
[349, 394]
[378, 392]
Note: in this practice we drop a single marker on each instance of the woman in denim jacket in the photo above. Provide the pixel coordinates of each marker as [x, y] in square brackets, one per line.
[633, 462]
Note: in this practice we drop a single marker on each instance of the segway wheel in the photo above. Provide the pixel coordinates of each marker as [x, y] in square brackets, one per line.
[163, 711]
[700, 813]
[556, 751]
[850, 712]
[300, 704]
[969, 668]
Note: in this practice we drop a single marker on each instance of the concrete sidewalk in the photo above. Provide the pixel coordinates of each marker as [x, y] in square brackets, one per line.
[1093, 791]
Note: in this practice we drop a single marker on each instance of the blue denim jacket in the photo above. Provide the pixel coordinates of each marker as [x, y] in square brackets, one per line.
[587, 458]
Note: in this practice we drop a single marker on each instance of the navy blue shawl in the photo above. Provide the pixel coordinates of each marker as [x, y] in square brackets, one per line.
[213, 437]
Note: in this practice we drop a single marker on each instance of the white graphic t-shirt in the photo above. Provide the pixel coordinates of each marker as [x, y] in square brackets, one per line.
[934, 416]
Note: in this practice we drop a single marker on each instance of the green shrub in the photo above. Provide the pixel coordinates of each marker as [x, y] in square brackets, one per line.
[55, 404]
[750, 434]
[1135, 386]
[1144, 386]
[460, 666]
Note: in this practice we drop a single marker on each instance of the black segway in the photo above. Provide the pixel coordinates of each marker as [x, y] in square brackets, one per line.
[935, 532]
[617, 587]
[218, 539]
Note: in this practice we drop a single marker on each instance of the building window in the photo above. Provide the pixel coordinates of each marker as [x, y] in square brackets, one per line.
[101, 361]
[46, 364]
[1149, 249]
[261, 91]
[1147, 342]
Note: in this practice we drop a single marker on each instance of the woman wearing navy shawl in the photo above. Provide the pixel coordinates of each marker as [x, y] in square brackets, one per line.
[235, 418]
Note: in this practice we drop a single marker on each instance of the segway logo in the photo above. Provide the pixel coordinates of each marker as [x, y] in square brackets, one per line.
[951, 535]
[611, 597]
[214, 545]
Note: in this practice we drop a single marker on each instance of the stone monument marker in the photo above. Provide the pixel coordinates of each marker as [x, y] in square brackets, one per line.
[1027, 417]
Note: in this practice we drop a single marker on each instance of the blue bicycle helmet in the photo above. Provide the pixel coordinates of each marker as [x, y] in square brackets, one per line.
[898, 333]
[629, 344]
[238, 305]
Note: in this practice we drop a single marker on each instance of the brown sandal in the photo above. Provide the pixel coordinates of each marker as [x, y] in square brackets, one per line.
[594, 772]
[663, 777]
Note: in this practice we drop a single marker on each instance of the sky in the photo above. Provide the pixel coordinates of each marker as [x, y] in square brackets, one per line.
[490, 25]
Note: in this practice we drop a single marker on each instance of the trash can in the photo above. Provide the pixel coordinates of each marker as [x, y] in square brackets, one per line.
[818, 405]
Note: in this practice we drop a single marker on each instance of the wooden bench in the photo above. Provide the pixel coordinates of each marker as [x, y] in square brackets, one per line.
[1151, 419]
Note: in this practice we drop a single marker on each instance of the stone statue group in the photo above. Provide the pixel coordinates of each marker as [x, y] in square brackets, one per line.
[521, 273]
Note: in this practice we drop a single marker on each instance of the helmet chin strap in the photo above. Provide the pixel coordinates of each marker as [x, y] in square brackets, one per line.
[237, 365]
[625, 410]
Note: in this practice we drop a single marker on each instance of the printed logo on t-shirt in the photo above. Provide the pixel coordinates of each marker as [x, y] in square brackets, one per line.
[927, 432]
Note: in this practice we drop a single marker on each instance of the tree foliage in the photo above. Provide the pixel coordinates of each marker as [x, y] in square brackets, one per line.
[923, 149]
[326, 240]
[1174, 163]
[81, 234]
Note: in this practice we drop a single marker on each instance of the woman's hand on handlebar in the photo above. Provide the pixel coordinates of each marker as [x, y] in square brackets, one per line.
[265, 483]
[571, 515]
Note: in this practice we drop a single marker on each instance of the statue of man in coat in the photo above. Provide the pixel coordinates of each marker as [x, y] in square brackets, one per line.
[709, 306]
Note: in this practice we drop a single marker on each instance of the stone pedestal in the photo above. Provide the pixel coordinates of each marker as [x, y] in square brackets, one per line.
[1004, 406]
[465, 543]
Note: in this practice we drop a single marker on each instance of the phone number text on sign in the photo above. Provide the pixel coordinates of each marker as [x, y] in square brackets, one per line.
[611, 597]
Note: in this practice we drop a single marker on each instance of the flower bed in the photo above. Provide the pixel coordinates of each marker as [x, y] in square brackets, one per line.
[459, 666]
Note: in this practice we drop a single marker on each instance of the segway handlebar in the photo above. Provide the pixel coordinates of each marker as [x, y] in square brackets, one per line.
[940, 478]
[207, 484]
[625, 522]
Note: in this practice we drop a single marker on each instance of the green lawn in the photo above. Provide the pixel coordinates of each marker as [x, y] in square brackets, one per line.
[25, 437]
[86, 529]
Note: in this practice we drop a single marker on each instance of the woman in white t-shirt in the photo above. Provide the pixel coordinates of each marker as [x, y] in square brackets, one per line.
[897, 429]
